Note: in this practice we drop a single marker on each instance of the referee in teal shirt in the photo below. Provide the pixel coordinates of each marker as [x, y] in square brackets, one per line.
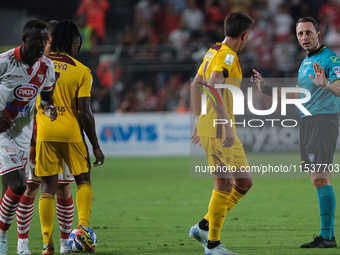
[319, 73]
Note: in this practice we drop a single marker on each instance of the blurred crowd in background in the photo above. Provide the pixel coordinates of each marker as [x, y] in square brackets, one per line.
[145, 64]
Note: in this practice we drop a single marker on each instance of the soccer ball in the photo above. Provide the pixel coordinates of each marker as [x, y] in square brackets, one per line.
[76, 245]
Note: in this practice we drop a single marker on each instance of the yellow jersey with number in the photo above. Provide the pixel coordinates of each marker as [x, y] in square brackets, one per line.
[73, 80]
[221, 58]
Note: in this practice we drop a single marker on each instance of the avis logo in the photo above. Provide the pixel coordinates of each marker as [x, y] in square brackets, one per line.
[125, 133]
[25, 92]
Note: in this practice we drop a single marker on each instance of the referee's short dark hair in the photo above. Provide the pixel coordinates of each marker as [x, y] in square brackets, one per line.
[309, 19]
[236, 23]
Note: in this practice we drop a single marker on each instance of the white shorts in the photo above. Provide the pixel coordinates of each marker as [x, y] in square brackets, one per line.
[64, 177]
[11, 158]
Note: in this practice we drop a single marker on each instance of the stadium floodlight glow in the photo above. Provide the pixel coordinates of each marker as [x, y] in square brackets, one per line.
[238, 100]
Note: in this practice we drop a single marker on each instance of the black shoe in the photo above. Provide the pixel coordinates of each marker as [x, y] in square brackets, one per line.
[333, 240]
[320, 242]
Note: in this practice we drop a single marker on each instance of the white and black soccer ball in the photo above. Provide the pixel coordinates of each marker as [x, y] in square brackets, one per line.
[76, 245]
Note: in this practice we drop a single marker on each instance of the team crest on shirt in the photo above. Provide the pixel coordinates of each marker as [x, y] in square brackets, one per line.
[14, 158]
[25, 92]
[311, 157]
[229, 59]
[337, 71]
[40, 77]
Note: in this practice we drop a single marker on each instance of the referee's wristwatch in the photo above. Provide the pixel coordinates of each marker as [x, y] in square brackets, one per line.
[327, 85]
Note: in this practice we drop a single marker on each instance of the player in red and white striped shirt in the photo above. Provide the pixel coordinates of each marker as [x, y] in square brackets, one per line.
[24, 74]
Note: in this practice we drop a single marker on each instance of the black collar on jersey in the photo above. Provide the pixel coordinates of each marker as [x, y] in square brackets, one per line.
[316, 51]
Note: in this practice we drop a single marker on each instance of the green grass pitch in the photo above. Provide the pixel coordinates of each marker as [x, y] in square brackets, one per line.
[147, 205]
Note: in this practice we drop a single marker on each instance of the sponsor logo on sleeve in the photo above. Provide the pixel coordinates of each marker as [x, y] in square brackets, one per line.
[337, 71]
[229, 59]
[335, 59]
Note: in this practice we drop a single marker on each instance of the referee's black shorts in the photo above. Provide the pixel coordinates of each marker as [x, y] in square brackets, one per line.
[318, 138]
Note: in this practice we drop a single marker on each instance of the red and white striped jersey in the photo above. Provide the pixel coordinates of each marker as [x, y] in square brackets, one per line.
[19, 87]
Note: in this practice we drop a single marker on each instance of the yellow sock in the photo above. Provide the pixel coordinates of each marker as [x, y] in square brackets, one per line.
[217, 211]
[46, 211]
[206, 216]
[236, 194]
[84, 203]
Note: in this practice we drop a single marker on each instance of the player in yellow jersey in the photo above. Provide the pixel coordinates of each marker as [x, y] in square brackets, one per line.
[72, 99]
[221, 144]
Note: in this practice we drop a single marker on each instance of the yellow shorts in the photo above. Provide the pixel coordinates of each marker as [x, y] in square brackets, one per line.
[219, 155]
[50, 156]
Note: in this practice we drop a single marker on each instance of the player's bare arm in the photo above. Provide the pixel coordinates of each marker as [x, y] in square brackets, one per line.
[218, 78]
[261, 85]
[196, 104]
[32, 147]
[320, 80]
[47, 105]
[88, 124]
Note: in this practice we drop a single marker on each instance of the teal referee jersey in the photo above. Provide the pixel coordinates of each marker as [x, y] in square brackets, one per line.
[322, 101]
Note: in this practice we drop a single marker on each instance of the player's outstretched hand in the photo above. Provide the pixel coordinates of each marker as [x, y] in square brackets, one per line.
[194, 138]
[229, 136]
[258, 79]
[97, 152]
[5, 122]
[320, 77]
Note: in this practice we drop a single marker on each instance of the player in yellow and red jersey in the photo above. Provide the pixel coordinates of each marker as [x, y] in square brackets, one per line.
[66, 143]
[221, 144]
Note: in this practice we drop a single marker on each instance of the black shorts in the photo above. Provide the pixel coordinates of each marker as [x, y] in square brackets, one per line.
[318, 138]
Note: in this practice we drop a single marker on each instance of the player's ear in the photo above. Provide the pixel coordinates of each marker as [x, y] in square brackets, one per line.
[243, 36]
[319, 35]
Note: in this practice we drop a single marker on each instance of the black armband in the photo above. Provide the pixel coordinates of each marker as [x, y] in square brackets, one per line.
[268, 91]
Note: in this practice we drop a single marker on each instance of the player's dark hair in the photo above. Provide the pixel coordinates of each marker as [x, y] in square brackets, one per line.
[236, 23]
[309, 19]
[34, 23]
[51, 25]
[63, 36]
